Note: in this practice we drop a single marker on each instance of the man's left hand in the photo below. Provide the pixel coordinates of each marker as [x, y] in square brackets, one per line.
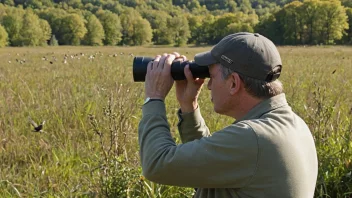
[158, 80]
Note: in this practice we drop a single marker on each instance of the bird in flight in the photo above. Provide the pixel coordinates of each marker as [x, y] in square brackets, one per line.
[37, 128]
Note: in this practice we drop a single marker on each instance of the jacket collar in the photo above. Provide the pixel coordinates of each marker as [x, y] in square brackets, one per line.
[264, 107]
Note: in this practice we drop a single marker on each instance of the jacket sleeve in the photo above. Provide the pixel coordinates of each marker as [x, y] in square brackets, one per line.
[227, 159]
[191, 126]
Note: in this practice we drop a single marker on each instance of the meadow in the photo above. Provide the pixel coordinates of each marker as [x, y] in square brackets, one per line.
[92, 108]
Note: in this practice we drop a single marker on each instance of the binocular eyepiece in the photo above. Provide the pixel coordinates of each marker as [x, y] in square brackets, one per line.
[140, 65]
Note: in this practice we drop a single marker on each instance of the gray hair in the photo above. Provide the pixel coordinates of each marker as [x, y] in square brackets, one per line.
[257, 88]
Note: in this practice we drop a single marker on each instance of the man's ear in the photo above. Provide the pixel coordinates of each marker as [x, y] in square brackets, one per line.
[235, 83]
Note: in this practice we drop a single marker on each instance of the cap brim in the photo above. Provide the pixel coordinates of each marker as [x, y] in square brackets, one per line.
[204, 59]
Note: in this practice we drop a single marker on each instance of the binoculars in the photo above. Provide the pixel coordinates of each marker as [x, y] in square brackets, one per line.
[140, 65]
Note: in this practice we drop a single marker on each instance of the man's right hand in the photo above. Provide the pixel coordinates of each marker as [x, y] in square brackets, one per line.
[187, 91]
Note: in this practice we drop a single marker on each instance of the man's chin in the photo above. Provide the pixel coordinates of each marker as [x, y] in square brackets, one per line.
[219, 111]
[216, 110]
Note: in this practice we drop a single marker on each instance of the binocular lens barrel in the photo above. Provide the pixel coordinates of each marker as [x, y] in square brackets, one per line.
[140, 65]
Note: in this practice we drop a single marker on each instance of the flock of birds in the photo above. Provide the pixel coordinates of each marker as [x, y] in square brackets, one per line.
[52, 58]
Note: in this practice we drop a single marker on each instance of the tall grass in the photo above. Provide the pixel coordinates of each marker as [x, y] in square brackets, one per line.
[92, 108]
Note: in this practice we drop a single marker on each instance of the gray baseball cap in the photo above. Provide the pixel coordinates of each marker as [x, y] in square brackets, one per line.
[249, 54]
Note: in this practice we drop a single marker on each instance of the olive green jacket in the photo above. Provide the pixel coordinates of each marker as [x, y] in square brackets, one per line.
[270, 152]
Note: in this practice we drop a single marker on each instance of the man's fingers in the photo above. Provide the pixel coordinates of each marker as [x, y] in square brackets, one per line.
[156, 62]
[188, 74]
[176, 54]
[199, 81]
[150, 66]
[162, 61]
[170, 58]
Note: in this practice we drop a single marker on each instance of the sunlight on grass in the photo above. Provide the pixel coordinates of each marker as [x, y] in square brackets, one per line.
[92, 108]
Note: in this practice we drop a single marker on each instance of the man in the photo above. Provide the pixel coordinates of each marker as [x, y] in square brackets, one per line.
[267, 152]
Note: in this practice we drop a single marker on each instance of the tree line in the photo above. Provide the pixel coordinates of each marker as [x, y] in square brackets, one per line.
[172, 22]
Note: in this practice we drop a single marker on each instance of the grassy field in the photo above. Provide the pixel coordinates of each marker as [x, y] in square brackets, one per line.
[92, 108]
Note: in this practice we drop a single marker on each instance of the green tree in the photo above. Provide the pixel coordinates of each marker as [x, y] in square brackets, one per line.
[311, 22]
[245, 6]
[114, 7]
[46, 31]
[267, 10]
[34, 4]
[53, 41]
[206, 31]
[12, 22]
[135, 29]
[72, 29]
[347, 3]
[165, 5]
[223, 4]
[193, 5]
[291, 20]
[201, 11]
[54, 17]
[246, 23]
[334, 21]
[232, 6]
[271, 27]
[8, 2]
[3, 37]
[143, 32]
[95, 33]
[195, 24]
[3, 9]
[70, 3]
[130, 3]
[179, 30]
[310, 14]
[159, 23]
[348, 36]
[220, 26]
[112, 27]
[230, 23]
[34, 31]
[90, 7]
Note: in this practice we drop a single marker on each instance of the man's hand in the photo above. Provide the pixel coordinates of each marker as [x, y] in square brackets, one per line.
[187, 91]
[158, 80]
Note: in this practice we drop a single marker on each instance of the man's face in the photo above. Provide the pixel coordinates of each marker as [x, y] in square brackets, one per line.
[219, 88]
